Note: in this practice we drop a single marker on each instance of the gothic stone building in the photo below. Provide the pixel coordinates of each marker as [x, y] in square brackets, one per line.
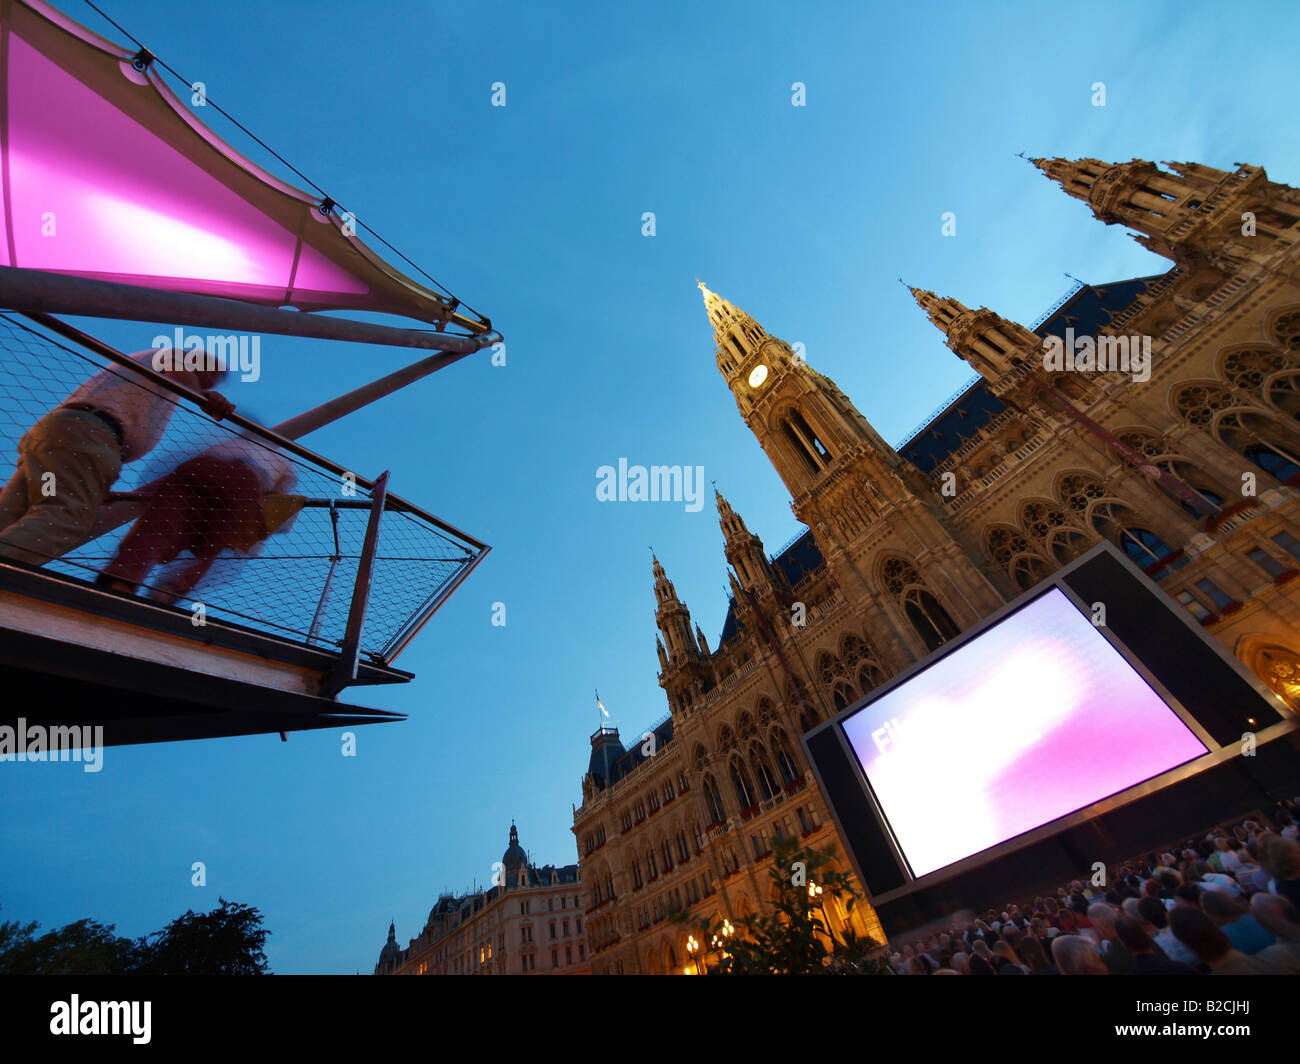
[1191, 471]
[529, 921]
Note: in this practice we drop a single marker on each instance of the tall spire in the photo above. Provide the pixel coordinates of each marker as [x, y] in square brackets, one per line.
[722, 312]
[998, 349]
[736, 335]
[743, 549]
[1173, 212]
[942, 312]
[687, 671]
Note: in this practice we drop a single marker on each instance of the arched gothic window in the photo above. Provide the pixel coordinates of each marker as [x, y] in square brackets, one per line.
[784, 762]
[712, 800]
[870, 675]
[922, 609]
[806, 441]
[763, 774]
[745, 793]
[1271, 445]
[1140, 544]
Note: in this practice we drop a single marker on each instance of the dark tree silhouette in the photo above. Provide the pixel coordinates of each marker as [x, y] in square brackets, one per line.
[227, 941]
[81, 948]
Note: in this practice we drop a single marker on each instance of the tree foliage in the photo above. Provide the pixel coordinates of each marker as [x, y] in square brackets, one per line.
[796, 937]
[227, 941]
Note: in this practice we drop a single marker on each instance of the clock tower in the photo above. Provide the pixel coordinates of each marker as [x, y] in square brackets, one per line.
[878, 521]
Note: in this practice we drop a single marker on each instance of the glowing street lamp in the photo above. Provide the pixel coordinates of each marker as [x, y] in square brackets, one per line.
[693, 947]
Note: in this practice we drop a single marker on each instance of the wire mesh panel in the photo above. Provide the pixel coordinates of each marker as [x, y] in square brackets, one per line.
[235, 518]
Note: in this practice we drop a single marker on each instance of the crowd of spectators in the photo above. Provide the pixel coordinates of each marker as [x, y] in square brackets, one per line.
[1227, 903]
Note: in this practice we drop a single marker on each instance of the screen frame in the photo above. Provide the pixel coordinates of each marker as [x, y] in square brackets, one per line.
[1216, 752]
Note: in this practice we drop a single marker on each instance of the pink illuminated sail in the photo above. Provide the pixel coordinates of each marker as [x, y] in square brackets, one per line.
[106, 174]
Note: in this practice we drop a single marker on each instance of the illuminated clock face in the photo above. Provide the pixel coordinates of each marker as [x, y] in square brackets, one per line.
[758, 376]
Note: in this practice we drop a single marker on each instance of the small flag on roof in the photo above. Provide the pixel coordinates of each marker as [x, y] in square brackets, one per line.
[601, 706]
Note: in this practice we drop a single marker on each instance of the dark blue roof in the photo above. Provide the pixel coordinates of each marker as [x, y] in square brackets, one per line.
[621, 761]
[800, 558]
[1086, 312]
[1092, 307]
[633, 757]
[969, 413]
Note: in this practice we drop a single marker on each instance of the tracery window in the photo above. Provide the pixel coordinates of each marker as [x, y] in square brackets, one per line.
[1077, 492]
[922, 609]
[1247, 369]
[1280, 669]
[1287, 331]
[1198, 403]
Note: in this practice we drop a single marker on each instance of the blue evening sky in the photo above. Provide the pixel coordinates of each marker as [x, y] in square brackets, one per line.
[532, 213]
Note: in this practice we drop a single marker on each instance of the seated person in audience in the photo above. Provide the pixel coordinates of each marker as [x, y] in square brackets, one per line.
[1075, 955]
[1213, 948]
[1236, 921]
[1035, 957]
[1156, 916]
[1142, 949]
[1276, 915]
[1282, 859]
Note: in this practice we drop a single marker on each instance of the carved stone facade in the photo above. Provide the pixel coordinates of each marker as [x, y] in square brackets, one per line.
[1188, 461]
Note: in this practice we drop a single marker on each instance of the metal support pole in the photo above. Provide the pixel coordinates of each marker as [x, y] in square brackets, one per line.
[319, 616]
[345, 670]
[40, 292]
[333, 409]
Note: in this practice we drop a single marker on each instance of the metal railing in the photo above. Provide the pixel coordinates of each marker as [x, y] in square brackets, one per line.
[308, 581]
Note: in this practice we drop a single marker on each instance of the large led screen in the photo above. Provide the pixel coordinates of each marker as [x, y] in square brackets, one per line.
[1028, 721]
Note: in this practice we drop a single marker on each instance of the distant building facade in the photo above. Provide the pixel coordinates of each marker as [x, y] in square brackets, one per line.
[1188, 461]
[530, 922]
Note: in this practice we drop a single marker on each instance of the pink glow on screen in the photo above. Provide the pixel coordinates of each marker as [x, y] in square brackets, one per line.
[125, 203]
[1034, 718]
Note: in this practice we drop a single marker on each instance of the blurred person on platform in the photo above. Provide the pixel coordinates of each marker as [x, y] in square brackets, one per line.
[230, 497]
[70, 459]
